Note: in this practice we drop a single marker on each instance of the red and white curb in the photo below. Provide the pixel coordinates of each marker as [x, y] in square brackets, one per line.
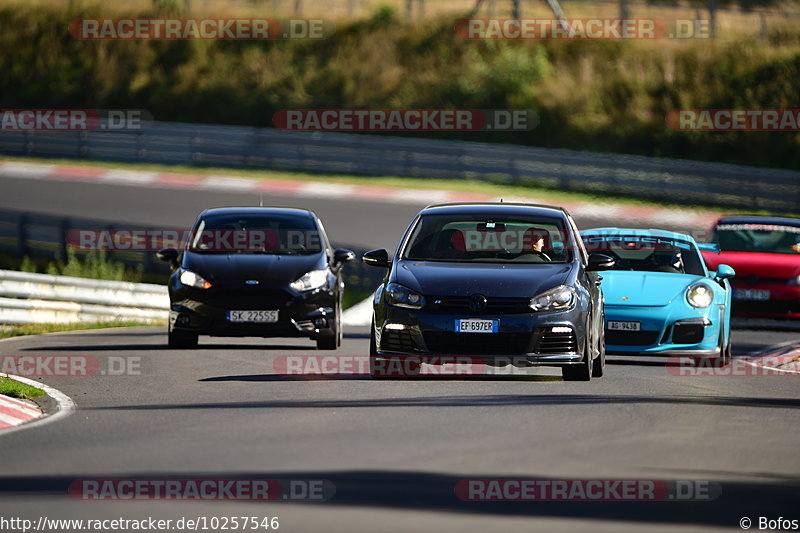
[19, 415]
[337, 191]
[783, 357]
[14, 412]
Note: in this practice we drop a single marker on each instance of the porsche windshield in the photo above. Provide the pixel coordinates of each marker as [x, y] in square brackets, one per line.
[648, 253]
[248, 233]
[467, 238]
[756, 237]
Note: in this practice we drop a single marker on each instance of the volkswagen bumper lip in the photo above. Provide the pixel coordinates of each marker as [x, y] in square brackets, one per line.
[415, 324]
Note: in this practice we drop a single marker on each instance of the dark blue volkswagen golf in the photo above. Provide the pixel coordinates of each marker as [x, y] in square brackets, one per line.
[508, 283]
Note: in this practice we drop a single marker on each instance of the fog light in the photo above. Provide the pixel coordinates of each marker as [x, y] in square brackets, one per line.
[320, 322]
[561, 329]
[395, 326]
[183, 320]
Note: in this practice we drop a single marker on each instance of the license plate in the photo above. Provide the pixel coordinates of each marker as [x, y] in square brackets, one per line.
[253, 316]
[761, 295]
[474, 325]
[616, 325]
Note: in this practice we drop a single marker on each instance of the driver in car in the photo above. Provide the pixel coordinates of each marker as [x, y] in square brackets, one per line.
[535, 242]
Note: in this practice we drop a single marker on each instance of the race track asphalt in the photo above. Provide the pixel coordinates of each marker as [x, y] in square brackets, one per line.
[393, 450]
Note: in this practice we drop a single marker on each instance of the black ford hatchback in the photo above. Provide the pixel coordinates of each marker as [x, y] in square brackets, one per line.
[256, 272]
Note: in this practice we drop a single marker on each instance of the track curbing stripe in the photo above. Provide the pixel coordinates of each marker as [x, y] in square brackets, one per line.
[321, 189]
[65, 406]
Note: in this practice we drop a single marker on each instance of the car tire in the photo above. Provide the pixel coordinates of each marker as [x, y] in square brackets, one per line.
[582, 371]
[334, 341]
[339, 328]
[326, 343]
[598, 368]
[725, 352]
[374, 369]
[181, 339]
[373, 344]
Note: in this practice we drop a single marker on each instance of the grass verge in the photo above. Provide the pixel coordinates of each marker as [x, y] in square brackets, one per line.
[607, 95]
[354, 296]
[16, 389]
[35, 329]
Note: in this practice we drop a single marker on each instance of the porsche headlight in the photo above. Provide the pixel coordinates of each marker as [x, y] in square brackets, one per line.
[400, 296]
[310, 280]
[556, 299]
[700, 295]
[191, 279]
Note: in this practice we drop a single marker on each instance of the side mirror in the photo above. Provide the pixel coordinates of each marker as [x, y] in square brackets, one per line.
[342, 256]
[724, 272]
[598, 261]
[377, 258]
[169, 255]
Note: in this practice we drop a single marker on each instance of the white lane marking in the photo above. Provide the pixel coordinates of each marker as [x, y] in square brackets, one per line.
[227, 183]
[26, 170]
[420, 196]
[597, 211]
[358, 315]
[325, 190]
[128, 177]
[677, 218]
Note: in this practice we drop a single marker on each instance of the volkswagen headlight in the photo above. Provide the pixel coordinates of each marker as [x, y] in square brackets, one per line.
[191, 279]
[700, 295]
[400, 296]
[558, 299]
[310, 280]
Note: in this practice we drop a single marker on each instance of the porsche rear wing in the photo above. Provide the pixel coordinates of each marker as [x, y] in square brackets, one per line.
[708, 247]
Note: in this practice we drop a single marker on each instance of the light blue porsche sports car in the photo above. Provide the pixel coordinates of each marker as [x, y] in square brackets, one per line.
[660, 297]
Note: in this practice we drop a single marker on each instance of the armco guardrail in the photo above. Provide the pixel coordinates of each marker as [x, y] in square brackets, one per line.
[44, 237]
[645, 177]
[27, 298]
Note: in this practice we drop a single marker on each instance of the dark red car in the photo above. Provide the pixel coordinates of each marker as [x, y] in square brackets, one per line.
[765, 253]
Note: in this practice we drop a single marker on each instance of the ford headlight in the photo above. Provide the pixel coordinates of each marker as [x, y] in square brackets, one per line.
[700, 295]
[400, 296]
[310, 280]
[191, 279]
[557, 299]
